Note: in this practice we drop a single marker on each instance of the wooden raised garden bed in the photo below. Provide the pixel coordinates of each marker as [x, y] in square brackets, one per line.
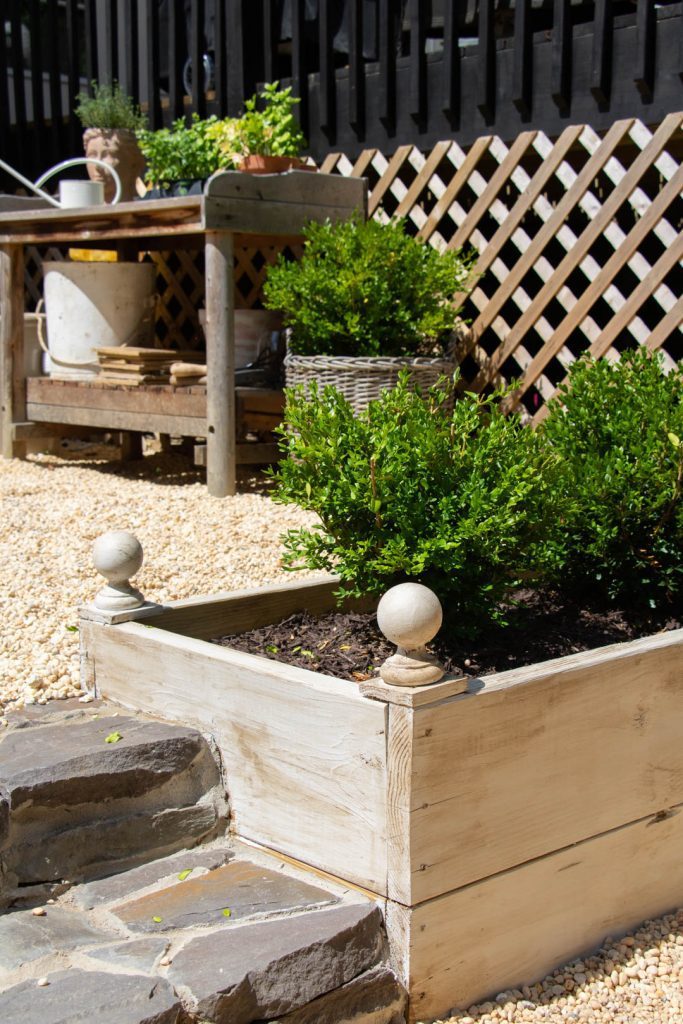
[505, 829]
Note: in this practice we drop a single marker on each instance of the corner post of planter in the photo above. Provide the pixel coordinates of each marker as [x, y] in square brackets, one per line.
[221, 442]
[410, 615]
[118, 556]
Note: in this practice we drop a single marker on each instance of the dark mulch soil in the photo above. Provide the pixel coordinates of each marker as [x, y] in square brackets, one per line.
[542, 626]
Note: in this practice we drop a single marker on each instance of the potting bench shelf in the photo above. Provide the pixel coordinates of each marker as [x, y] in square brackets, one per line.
[154, 408]
[235, 209]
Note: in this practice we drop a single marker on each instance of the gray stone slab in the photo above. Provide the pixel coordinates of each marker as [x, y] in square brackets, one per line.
[135, 955]
[267, 969]
[69, 710]
[24, 937]
[376, 997]
[4, 817]
[100, 845]
[120, 886]
[70, 763]
[84, 997]
[242, 887]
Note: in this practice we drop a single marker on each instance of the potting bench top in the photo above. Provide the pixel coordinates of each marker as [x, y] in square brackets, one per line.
[234, 208]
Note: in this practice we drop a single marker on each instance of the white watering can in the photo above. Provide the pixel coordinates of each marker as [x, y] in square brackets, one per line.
[89, 304]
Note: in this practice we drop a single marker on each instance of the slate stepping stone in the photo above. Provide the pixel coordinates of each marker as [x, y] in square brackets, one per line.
[24, 937]
[266, 969]
[116, 887]
[376, 996]
[240, 887]
[77, 997]
[135, 955]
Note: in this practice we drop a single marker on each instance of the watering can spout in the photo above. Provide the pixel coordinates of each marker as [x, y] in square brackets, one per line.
[70, 197]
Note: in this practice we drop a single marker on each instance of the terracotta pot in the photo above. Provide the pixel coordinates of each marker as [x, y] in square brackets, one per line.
[255, 163]
[118, 147]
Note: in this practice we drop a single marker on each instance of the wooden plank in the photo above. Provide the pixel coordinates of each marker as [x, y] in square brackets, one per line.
[153, 400]
[118, 419]
[327, 93]
[522, 67]
[417, 89]
[561, 69]
[299, 63]
[305, 754]
[601, 66]
[176, 36]
[293, 187]
[398, 831]
[645, 57]
[619, 258]
[414, 696]
[451, 69]
[356, 75]
[600, 729]
[486, 60]
[220, 364]
[387, 63]
[236, 611]
[457, 182]
[269, 215]
[11, 345]
[198, 96]
[152, 63]
[514, 928]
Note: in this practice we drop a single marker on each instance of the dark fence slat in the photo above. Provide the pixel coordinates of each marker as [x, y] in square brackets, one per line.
[197, 48]
[90, 23]
[486, 91]
[220, 67]
[645, 62]
[451, 63]
[327, 94]
[417, 106]
[356, 67]
[387, 63]
[270, 40]
[176, 57]
[152, 61]
[522, 71]
[299, 76]
[601, 70]
[107, 41]
[129, 60]
[55, 86]
[36, 86]
[561, 73]
[22, 155]
[9, 136]
[73, 37]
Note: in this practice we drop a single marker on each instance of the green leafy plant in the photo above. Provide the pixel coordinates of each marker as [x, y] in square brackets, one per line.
[181, 152]
[268, 127]
[109, 108]
[617, 429]
[362, 288]
[404, 490]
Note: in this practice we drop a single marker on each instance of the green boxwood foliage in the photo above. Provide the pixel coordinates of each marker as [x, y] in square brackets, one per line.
[617, 429]
[367, 289]
[456, 500]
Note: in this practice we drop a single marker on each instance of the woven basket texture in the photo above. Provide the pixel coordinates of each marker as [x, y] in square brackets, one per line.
[362, 379]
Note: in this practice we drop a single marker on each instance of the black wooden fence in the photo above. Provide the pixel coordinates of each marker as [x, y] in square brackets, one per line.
[369, 72]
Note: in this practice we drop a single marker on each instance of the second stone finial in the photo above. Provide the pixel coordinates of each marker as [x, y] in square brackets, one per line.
[118, 556]
[410, 615]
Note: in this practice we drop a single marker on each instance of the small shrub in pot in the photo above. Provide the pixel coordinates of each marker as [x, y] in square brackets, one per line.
[111, 120]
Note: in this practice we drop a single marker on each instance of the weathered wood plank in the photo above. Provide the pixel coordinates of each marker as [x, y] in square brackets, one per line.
[113, 419]
[514, 928]
[12, 398]
[162, 399]
[305, 754]
[594, 737]
[220, 365]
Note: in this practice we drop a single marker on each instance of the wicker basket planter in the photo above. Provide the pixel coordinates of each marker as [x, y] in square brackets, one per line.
[363, 378]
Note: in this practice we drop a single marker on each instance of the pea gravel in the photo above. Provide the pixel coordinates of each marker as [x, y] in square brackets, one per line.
[52, 511]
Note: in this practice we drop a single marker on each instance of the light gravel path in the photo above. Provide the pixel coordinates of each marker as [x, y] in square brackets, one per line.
[51, 512]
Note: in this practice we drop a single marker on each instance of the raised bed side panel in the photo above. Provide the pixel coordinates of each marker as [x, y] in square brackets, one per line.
[304, 755]
[514, 928]
[540, 758]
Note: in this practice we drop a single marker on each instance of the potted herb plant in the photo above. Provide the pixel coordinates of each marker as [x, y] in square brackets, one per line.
[111, 120]
[267, 138]
[179, 159]
[365, 300]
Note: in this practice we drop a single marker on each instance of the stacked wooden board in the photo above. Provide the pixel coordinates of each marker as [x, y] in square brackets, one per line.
[137, 366]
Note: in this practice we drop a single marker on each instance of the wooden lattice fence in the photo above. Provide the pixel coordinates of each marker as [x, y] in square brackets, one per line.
[579, 243]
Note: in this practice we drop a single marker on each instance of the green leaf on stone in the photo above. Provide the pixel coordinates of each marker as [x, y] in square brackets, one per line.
[185, 874]
[72, 629]
[157, 920]
[113, 737]
[227, 912]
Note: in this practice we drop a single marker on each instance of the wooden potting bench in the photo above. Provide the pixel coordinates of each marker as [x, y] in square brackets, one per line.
[235, 209]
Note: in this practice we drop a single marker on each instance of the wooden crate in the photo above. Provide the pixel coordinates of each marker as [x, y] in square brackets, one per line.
[505, 829]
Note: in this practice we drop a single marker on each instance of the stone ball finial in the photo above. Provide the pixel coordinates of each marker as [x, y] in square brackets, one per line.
[117, 556]
[410, 615]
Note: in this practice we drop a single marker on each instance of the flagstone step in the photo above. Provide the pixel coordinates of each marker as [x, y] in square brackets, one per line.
[93, 791]
[224, 935]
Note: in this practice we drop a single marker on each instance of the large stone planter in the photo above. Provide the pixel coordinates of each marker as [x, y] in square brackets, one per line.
[504, 829]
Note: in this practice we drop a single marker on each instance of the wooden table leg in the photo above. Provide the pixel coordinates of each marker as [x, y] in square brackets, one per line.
[220, 365]
[12, 379]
